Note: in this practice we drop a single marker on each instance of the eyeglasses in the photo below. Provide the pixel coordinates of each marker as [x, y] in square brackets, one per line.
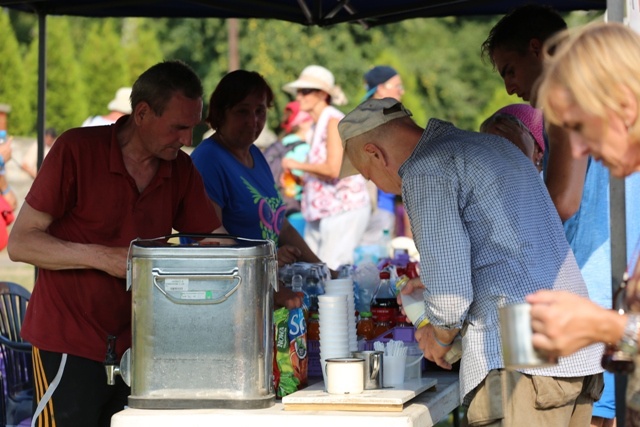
[306, 92]
[399, 86]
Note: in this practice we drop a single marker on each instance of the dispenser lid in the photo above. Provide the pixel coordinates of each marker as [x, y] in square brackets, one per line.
[224, 247]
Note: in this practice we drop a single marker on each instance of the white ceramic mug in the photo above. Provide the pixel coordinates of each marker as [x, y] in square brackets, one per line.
[345, 375]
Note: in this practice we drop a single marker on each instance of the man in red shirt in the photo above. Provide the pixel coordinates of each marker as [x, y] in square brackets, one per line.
[98, 189]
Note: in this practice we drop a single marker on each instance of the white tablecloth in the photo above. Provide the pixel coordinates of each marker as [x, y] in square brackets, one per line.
[423, 411]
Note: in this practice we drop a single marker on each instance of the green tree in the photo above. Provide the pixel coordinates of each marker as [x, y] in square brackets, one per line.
[141, 47]
[499, 99]
[12, 83]
[438, 58]
[65, 93]
[104, 65]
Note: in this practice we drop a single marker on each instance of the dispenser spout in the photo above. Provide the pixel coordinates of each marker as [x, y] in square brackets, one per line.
[111, 361]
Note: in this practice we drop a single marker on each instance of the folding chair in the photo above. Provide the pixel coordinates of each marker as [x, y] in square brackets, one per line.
[16, 353]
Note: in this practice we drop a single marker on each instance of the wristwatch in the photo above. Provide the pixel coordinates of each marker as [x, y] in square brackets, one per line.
[629, 341]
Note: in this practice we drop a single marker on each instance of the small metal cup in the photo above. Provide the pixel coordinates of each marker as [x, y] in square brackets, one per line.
[372, 368]
[517, 346]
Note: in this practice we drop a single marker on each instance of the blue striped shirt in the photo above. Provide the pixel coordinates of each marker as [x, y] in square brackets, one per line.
[488, 234]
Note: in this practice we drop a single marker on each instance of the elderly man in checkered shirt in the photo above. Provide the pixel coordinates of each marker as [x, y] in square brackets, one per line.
[488, 234]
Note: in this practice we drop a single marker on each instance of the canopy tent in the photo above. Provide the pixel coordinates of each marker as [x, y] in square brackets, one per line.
[325, 13]
[307, 12]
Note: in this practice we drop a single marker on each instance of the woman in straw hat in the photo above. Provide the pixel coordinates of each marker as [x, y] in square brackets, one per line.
[591, 87]
[336, 210]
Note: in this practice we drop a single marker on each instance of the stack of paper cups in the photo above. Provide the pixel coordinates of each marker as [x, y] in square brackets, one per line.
[345, 287]
[334, 334]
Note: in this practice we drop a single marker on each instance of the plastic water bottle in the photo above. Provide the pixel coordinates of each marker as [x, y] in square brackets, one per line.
[413, 306]
[296, 286]
[385, 245]
[384, 304]
[3, 136]
[313, 288]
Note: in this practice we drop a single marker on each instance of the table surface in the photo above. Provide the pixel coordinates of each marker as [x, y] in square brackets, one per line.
[424, 410]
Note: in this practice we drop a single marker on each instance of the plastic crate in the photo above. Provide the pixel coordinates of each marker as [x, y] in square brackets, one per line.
[314, 368]
[399, 333]
[405, 334]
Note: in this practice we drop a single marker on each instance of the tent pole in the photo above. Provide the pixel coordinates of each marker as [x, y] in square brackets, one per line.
[42, 82]
[617, 224]
[42, 87]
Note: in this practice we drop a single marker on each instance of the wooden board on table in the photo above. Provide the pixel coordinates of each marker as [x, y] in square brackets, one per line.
[389, 399]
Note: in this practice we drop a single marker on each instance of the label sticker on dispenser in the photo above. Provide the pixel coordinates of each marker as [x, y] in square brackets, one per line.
[197, 295]
[176, 285]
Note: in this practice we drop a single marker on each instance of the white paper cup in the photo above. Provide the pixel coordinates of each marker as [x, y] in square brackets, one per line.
[327, 342]
[393, 370]
[331, 325]
[338, 282]
[335, 351]
[332, 298]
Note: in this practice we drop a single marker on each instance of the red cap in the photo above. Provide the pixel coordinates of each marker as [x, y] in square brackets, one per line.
[412, 270]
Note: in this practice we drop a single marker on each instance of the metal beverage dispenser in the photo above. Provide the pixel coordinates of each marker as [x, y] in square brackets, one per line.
[202, 326]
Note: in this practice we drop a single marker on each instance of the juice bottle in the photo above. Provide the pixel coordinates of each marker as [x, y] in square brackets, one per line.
[382, 325]
[365, 327]
[289, 184]
[313, 328]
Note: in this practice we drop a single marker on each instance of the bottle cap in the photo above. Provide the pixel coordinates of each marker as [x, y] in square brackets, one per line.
[296, 281]
[366, 314]
[385, 275]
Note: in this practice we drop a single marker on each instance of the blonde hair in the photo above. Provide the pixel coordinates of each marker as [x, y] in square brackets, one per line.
[597, 65]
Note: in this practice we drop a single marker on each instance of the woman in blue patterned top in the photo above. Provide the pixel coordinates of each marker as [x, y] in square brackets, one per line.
[236, 175]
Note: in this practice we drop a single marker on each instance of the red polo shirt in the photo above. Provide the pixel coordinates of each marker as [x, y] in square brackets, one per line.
[84, 186]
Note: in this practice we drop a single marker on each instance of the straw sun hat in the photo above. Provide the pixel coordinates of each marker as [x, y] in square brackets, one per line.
[122, 101]
[317, 77]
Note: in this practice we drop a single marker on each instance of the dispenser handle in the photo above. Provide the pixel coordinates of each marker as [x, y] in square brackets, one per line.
[183, 295]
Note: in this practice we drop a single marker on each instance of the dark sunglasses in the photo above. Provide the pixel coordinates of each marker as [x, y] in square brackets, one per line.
[306, 92]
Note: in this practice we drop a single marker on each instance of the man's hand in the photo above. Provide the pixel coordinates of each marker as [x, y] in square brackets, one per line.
[288, 254]
[563, 322]
[430, 340]
[113, 260]
[285, 297]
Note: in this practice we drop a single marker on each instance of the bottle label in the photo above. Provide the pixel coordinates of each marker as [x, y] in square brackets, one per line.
[379, 312]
